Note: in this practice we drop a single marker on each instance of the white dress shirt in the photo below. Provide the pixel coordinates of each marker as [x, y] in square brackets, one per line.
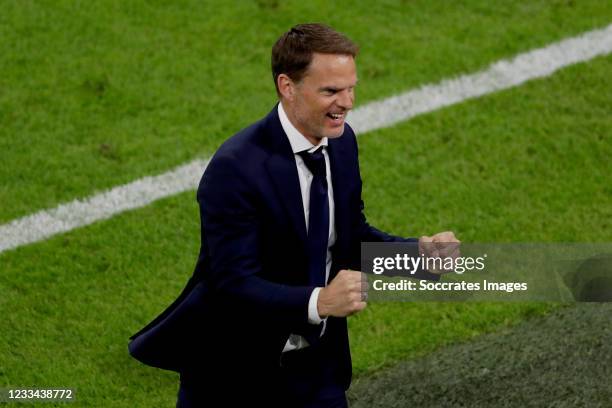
[299, 143]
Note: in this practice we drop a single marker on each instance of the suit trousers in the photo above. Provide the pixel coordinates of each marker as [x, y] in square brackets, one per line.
[305, 378]
[188, 399]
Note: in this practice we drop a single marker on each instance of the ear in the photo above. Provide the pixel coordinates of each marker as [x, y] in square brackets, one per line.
[286, 86]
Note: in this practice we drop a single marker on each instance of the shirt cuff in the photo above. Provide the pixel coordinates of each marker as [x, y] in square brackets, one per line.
[313, 313]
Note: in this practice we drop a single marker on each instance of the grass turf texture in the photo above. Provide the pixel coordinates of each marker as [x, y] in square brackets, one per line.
[94, 94]
[561, 360]
[525, 165]
[71, 302]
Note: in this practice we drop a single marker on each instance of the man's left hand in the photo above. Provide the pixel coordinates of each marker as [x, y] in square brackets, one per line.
[440, 245]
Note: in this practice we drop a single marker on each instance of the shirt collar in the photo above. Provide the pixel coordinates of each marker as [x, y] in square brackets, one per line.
[298, 141]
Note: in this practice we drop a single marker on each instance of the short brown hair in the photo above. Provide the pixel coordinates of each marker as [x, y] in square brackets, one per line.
[292, 53]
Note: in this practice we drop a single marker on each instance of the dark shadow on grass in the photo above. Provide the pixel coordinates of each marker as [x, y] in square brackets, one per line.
[561, 360]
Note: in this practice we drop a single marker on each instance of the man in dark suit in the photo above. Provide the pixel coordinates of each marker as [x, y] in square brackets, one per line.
[262, 321]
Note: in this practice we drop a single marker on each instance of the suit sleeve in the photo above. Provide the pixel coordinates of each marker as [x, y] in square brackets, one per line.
[230, 231]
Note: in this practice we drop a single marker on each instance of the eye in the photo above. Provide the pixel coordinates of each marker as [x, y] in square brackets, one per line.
[329, 91]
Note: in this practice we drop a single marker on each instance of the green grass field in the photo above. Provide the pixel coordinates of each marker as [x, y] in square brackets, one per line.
[95, 95]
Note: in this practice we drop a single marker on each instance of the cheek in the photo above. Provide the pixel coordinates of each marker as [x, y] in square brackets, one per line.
[319, 105]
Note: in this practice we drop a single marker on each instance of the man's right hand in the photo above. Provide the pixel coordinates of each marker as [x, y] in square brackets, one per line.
[345, 295]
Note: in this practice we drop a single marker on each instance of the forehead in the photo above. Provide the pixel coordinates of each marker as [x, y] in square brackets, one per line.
[332, 69]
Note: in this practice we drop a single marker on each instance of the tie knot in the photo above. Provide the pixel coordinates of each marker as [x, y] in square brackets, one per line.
[315, 161]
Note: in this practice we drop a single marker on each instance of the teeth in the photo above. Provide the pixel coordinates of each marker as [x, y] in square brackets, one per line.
[336, 115]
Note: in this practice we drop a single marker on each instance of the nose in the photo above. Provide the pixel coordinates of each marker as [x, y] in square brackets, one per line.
[346, 98]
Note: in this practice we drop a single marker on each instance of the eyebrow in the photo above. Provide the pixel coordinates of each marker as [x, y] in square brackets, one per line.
[330, 89]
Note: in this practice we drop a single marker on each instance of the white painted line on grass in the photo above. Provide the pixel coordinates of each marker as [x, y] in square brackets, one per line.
[376, 115]
[77, 213]
[503, 74]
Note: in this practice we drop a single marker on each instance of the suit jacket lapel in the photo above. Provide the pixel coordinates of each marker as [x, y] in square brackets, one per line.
[283, 172]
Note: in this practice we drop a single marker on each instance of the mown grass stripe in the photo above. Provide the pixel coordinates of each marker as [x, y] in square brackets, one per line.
[500, 75]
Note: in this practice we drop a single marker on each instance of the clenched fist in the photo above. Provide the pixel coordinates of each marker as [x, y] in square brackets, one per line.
[345, 295]
[440, 245]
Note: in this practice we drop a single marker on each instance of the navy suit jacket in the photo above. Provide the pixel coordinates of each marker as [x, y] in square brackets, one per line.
[250, 289]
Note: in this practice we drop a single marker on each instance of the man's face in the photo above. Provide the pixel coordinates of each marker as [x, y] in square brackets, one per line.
[318, 104]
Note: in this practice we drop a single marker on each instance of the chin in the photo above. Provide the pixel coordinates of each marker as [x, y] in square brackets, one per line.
[334, 133]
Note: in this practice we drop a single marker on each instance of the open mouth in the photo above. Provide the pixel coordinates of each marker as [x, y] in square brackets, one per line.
[336, 117]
